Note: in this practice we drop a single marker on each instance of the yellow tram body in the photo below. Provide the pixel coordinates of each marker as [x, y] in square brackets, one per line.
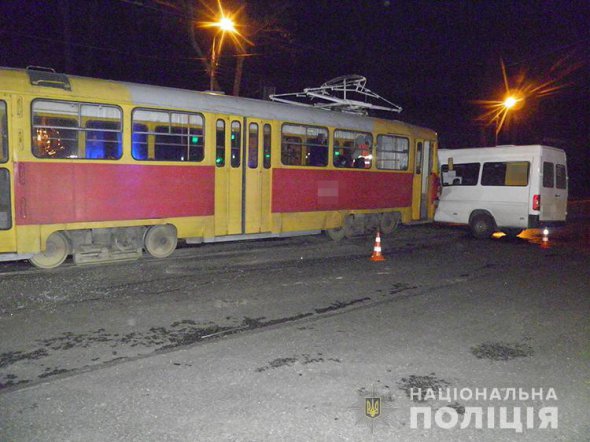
[101, 163]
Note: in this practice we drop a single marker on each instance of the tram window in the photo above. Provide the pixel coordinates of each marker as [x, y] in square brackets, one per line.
[236, 143]
[167, 136]
[267, 146]
[418, 160]
[104, 142]
[304, 146]
[139, 142]
[353, 149]
[3, 133]
[505, 174]
[253, 146]
[461, 175]
[220, 143]
[548, 174]
[392, 152]
[55, 137]
[178, 143]
[560, 176]
[76, 130]
[5, 209]
[291, 151]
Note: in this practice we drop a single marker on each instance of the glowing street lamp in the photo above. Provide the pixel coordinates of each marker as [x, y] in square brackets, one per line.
[496, 112]
[224, 25]
[510, 102]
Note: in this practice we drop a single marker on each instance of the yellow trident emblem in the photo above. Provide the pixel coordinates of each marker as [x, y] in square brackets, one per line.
[372, 407]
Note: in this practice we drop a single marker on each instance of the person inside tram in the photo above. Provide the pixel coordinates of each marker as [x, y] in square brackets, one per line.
[344, 159]
[361, 151]
[319, 151]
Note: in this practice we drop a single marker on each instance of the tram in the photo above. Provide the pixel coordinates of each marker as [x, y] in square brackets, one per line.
[104, 170]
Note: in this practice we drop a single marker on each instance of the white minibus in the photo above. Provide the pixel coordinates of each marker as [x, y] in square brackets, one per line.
[504, 188]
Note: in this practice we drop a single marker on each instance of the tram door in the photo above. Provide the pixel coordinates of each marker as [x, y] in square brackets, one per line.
[422, 169]
[256, 183]
[228, 176]
[7, 232]
[242, 176]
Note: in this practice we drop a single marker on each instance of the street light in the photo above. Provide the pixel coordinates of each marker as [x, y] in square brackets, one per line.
[224, 25]
[510, 103]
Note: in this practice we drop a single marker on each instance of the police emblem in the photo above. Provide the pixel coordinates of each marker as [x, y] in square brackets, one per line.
[372, 407]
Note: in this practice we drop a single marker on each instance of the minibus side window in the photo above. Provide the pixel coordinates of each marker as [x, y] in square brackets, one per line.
[514, 173]
[461, 175]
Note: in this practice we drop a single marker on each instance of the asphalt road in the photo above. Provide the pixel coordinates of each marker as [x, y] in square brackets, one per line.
[286, 339]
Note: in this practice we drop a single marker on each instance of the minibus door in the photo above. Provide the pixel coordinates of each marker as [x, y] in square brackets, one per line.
[7, 230]
[553, 187]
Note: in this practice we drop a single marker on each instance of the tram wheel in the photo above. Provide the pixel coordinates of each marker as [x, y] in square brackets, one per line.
[335, 234]
[349, 226]
[56, 251]
[388, 222]
[160, 241]
[346, 230]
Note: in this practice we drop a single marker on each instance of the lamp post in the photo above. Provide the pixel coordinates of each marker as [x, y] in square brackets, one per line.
[213, 66]
[224, 25]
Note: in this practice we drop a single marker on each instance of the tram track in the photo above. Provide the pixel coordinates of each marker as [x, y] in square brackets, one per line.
[316, 244]
[183, 253]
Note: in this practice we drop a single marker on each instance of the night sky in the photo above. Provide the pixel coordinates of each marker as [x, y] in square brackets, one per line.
[434, 58]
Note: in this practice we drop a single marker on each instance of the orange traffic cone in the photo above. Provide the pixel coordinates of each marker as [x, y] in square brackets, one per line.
[377, 256]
